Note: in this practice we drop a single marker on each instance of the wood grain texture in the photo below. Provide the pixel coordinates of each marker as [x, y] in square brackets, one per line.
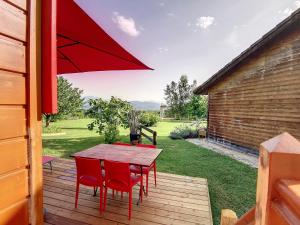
[20, 145]
[12, 55]
[16, 214]
[13, 153]
[14, 188]
[34, 112]
[260, 98]
[176, 200]
[12, 122]
[12, 21]
[13, 88]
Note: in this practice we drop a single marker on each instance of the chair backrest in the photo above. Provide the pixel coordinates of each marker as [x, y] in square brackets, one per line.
[117, 174]
[122, 143]
[146, 146]
[88, 167]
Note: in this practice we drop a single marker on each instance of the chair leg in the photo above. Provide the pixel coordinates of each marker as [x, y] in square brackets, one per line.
[77, 193]
[105, 198]
[154, 173]
[101, 199]
[147, 179]
[113, 193]
[141, 190]
[121, 194]
[130, 203]
[95, 191]
[50, 166]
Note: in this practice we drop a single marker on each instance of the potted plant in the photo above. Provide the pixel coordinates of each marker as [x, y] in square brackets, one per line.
[133, 122]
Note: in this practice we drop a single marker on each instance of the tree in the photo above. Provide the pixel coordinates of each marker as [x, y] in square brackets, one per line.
[177, 96]
[108, 117]
[69, 100]
[197, 107]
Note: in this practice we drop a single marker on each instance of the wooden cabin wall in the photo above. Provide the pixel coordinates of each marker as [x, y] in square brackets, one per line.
[261, 98]
[20, 120]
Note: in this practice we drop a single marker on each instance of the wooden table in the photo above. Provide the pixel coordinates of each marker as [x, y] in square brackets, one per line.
[133, 155]
[139, 156]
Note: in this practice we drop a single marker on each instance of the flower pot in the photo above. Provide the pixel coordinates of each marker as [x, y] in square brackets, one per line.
[135, 138]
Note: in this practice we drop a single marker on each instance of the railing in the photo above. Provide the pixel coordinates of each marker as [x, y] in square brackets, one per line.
[278, 185]
[151, 138]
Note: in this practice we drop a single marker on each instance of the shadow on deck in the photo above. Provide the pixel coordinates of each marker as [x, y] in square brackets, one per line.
[176, 200]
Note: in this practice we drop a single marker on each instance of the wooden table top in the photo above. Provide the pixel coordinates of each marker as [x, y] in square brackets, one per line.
[128, 154]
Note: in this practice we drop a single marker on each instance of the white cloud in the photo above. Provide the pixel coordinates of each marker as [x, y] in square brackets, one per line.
[205, 21]
[286, 11]
[162, 4]
[162, 49]
[289, 10]
[189, 24]
[127, 25]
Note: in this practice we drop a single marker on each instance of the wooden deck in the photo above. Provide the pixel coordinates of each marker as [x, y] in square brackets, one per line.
[176, 200]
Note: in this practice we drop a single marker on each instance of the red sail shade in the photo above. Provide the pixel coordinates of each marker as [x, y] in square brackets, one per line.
[81, 46]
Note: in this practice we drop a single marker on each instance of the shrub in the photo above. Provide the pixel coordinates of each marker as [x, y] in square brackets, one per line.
[148, 119]
[184, 131]
[111, 134]
[108, 116]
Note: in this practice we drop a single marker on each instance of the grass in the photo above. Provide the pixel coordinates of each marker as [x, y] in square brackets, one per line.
[231, 183]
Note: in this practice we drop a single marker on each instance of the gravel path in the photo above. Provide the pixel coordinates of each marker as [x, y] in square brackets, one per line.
[248, 159]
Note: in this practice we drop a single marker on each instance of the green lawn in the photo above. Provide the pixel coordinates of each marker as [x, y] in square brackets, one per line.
[231, 184]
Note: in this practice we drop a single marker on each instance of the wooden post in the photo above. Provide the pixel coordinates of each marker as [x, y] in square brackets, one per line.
[279, 159]
[154, 138]
[228, 217]
[35, 114]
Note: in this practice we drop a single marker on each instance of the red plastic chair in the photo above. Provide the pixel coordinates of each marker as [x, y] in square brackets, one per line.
[89, 173]
[122, 143]
[146, 169]
[119, 178]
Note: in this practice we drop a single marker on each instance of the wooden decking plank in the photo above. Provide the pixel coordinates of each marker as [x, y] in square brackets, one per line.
[193, 199]
[163, 185]
[177, 203]
[157, 206]
[155, 190]
[123, 209]
[116, 214]
[59, 220]
[61, 163]
[176, 200]
[70, 168]
[84, 218]
[160, 178]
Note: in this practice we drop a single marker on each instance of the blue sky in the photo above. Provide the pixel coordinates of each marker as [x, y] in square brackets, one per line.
[175, 37]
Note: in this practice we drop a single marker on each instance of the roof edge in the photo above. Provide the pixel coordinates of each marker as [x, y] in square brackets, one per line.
[269, 36]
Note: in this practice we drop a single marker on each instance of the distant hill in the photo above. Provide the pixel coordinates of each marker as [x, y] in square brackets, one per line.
[137, 105]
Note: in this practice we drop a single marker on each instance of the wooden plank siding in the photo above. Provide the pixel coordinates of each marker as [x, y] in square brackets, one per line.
[261, 97]
[19, 137]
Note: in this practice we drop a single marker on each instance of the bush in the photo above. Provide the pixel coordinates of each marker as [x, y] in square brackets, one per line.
[111, 134]
[184, 131]
[148, 119]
